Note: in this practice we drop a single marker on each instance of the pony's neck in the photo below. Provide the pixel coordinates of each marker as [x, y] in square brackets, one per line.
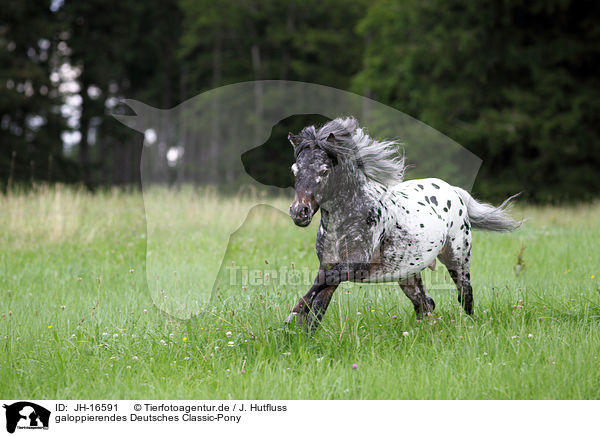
[348, 189]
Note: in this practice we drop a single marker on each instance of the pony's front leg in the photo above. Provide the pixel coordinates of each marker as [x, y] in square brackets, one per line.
[311, 308]
[313, 305]
[319, 306]
[302, 308]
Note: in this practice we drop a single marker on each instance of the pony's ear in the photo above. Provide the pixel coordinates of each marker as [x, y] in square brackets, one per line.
[293, 139]
[331, 138]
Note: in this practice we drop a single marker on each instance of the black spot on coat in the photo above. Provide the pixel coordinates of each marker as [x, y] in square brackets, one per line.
[372, 217]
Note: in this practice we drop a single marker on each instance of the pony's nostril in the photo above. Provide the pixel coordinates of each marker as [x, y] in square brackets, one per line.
[304, 211]
[301, 211]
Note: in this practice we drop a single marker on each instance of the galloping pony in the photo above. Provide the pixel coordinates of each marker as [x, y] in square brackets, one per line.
[374, 226]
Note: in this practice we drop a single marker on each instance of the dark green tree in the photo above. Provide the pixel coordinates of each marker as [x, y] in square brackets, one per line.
[251, 40]
[514, 82]
[30, 117]
[225, 42]
[122, 50]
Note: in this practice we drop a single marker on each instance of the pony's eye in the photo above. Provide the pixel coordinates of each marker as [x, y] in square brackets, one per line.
[323, 171]
[295, 169]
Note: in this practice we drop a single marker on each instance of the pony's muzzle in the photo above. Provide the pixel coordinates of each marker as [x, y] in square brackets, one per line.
[301, 213]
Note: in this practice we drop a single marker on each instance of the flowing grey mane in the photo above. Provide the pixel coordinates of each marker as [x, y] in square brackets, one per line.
[343, 139]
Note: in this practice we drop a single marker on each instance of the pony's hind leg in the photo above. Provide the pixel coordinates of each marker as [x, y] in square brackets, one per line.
[462, 279]
[414, 289]
[456, 255]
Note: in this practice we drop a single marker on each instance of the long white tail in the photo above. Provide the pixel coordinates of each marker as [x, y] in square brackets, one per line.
[484, 216]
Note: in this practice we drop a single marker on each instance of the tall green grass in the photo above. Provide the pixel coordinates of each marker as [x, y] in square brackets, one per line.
[81, 318]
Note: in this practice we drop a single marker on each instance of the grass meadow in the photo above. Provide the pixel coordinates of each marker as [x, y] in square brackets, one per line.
[80, 318]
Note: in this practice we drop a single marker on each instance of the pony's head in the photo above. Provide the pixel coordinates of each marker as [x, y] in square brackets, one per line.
[338, 147]
[311, 173]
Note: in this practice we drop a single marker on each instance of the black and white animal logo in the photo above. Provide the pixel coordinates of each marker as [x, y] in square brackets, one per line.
[26, 415]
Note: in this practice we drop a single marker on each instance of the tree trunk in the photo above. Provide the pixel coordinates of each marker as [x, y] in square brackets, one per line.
[215, 114]
[84, 124]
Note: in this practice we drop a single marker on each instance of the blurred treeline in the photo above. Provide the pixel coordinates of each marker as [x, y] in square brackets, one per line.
[516, 82]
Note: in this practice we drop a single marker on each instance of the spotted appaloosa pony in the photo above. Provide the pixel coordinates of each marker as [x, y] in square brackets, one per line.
[375, 227]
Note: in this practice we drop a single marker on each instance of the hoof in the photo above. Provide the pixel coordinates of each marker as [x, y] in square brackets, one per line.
[308, 321]
[292, 318]
[430, 305]
[467, 303]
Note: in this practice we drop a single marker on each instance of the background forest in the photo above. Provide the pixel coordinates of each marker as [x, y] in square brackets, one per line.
[515, 82]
